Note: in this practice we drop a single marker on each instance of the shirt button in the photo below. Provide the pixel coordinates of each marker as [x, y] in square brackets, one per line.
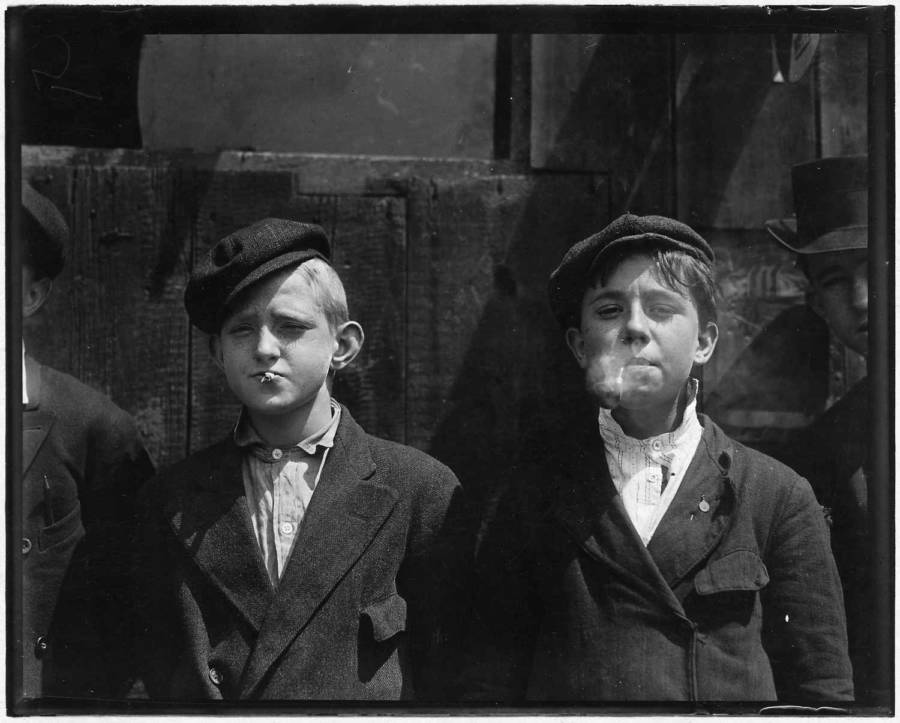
[656, 445]
[277, 453]
[26, 545]
[215, 676]
[40, 646]
[653, 476]
[286, 528]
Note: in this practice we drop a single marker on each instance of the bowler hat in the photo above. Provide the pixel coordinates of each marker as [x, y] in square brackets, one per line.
[46, 233]
[569, 280]
[243, 258]
[831, 204]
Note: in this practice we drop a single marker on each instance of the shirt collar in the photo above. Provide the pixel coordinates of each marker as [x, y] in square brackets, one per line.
[662, 448]
[246, 437]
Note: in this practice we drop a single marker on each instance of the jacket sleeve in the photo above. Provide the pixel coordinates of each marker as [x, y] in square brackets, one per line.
[117, 465]
[499, 640]
[432, 580]
[804, 621]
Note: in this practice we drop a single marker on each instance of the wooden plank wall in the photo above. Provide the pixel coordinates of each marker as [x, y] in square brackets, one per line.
[446, 261]
[445, 265]
[115, 317]
[697, 127]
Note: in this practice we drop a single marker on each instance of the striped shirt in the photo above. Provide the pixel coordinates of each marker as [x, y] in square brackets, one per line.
[648, 472]
[279, 483]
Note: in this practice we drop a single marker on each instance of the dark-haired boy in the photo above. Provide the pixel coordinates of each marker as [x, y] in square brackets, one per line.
[82, 463]
[299, 558]
[648, 557]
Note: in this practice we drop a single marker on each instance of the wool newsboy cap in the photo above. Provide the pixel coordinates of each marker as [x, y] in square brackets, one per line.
[243, 258]
[46, 233]
[831, 203]
[570, 279]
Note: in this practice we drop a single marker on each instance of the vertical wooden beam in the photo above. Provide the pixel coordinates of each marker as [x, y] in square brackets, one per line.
[503, 96]
[881, 242]
[512, 98]
[520, 98]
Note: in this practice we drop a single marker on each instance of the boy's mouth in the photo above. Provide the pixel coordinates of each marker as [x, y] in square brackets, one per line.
[266, 377]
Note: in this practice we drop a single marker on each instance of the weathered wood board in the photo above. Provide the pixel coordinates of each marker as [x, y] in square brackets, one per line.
[602, 103]
[738, 131]
[486, 358]
[843, 89]
[445, 264]
[115, 319]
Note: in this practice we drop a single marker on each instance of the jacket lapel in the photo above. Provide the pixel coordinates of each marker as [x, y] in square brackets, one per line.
[592, 511]
[689, 531]
[35, 428]
[345, 513]
[213, 523]
[36, 424]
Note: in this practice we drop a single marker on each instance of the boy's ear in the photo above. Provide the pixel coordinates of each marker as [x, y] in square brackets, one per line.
[575, 342]
[215, 351]
[348, 341]
[706, 343]
[34, 293]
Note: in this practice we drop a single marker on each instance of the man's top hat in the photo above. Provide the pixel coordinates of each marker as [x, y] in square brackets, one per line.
[831, 204]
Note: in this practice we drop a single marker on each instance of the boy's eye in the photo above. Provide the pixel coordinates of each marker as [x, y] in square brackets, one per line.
[662, 310]
[293, 327]
[238, 329]
[608, 311]
[832, 280]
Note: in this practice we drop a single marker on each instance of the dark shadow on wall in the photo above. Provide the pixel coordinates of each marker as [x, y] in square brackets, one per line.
[518, 383]
[81, 76]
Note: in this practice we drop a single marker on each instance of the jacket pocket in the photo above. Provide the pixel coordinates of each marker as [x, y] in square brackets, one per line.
[387, 617]
[68, 529]
[741, 570]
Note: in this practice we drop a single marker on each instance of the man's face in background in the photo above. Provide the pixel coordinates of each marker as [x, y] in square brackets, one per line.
[840, 294]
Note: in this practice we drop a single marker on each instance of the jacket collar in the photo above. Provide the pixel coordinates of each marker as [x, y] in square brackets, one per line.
[349, 507]
[701, 511]
[36, 422]
[590, 508]
[212, 521]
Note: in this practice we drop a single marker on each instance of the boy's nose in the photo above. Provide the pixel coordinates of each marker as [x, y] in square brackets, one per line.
[636, 327]
[266, 344]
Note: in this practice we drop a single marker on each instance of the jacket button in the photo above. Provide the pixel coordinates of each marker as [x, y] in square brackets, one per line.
[215, 676]
[26, 545]
[40, 646]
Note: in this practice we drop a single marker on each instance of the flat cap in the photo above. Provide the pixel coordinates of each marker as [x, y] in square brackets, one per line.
[831, 202]
[46, 233]
[243, 258]
[569, 280]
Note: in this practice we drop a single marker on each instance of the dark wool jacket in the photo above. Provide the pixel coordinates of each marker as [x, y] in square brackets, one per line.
[736, 600]
[833, 454]
[83, 464]
[367, 604]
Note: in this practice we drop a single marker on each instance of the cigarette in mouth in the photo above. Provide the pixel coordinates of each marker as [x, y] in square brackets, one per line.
[266, 378]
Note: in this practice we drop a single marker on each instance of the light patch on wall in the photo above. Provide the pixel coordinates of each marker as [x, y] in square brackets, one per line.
[398, 95]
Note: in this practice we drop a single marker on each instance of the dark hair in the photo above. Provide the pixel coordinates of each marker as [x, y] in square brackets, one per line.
[42, 253]
[680, 271]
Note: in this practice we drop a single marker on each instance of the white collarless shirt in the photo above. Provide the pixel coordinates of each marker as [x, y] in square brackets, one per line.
[648, 472]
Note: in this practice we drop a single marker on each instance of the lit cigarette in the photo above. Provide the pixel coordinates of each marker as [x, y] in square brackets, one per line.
[266, 378]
